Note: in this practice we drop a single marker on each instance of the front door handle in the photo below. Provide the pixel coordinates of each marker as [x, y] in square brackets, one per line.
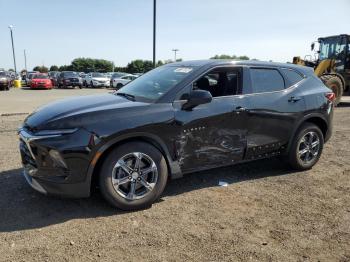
[294, 99]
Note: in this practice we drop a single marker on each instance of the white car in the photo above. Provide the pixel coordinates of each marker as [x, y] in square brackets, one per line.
[96, 80]
[121, 81]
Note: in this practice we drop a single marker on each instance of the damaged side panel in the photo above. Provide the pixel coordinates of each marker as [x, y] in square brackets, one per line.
[210, 135]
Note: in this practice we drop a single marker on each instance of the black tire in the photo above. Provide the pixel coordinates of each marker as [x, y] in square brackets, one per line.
[91, 84]
[293, 156]
[120, 85]
[105, 177]
[334, 83]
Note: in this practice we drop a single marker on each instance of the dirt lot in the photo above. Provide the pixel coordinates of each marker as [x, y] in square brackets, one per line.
[267, 213]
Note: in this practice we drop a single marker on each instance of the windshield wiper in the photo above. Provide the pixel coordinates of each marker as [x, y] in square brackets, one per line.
[127, 96]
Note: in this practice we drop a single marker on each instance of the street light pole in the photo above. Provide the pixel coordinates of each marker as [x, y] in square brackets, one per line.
[175, 51]
[154, 32]
[13, 49]
[25, 60]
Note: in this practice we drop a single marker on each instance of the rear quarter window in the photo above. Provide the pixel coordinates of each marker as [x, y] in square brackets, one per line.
[266, 80]
[292, 76]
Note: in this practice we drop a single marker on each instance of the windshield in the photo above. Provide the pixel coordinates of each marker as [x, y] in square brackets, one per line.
[116, 75]
[156, 83]
[331, 48]
[97, 75]
[70, 74]
[41, 77]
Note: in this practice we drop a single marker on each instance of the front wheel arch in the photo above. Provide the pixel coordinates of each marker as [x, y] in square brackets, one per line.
[102, 153]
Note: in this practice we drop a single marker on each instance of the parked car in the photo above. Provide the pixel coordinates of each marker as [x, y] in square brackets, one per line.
[53, 75]
[116, 75]
[29, 77]
[96, 80]
[69, 79]
[170, 122]
[122, 81]
[5, 81]
[41, 81]
[137, 74]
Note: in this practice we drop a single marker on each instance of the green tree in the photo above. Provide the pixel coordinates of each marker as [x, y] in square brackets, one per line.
[91, 65]
[244, 57]
[41, 69]
[65, 68]
[139, 66]
[54, 68]
[159, 63]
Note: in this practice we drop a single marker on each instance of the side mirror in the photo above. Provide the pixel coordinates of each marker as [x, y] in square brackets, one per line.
[312, 46]
[195, 98]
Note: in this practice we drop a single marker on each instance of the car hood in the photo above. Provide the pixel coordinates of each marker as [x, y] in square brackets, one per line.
[100, 78]
[54, 114]
[40, 80]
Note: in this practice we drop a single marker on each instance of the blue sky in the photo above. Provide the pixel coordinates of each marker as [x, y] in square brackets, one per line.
[55, 32]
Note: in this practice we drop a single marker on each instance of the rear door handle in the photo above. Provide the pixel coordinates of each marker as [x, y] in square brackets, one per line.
[294, 99]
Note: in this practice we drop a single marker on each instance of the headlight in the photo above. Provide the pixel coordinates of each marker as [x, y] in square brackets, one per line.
[56, 132]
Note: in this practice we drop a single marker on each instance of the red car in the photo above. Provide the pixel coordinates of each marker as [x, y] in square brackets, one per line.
[41, 81]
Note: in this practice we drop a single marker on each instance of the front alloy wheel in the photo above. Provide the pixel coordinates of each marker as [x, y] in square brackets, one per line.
[133, 175]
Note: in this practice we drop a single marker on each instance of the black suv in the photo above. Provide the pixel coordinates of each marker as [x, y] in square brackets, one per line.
[69, 78]
[178, 118]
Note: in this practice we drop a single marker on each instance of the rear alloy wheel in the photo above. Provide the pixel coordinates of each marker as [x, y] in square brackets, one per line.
[307, 147]
[133, 176]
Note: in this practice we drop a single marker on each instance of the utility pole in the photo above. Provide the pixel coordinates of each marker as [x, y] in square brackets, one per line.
[13, 49]
[25, 60]
[175, 51]
[154, 32]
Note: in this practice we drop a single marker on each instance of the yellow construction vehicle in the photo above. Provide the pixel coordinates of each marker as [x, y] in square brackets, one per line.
[331, 63]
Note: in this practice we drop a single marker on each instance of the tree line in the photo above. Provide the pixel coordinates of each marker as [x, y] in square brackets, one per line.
[101, 65]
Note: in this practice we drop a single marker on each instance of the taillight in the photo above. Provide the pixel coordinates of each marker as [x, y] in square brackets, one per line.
[330, 96]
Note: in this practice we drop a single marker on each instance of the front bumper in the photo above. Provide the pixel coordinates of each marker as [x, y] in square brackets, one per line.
[4, 84]
[44, 175]
[47, 86]
[76, 190]
[101, 84]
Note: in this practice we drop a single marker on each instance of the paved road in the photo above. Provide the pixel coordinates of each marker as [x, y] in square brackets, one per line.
[24, 100]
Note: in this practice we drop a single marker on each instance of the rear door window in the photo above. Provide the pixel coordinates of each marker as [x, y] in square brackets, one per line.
[266, 80]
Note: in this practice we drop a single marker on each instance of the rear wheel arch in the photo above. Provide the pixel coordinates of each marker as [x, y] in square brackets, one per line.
[316, 119]
[320, 122]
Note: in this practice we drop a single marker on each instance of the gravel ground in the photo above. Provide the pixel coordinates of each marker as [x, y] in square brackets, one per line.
[266, 213]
